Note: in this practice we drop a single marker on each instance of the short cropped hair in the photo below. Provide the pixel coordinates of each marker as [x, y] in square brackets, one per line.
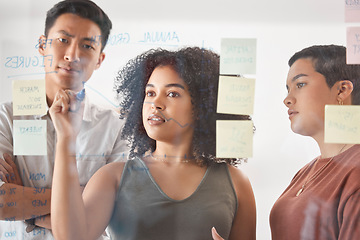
[330, 61]
[199, 68]
[82, 8]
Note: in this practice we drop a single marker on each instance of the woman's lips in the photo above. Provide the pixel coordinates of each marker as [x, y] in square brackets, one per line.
[292, 113]
[155, 120]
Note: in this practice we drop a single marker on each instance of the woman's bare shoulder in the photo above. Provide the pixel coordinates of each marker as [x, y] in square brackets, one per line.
[110, 172]
[238, 177]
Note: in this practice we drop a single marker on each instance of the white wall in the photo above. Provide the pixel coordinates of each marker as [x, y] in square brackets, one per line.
[281, 27]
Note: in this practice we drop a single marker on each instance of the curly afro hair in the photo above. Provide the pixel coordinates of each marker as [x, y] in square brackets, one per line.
[199, 68]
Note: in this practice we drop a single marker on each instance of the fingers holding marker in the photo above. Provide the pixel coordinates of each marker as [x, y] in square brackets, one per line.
[72, 100]
[66, 113]
[61, 102]
[76, 99]
[80, 95]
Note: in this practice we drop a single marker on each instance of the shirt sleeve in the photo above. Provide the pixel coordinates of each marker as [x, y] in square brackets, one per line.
[120, 151]
[6, 126]
[350, 227]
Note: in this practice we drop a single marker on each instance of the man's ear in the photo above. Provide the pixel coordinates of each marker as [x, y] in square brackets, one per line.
[100, 60]
[42, 46]
[345, 88]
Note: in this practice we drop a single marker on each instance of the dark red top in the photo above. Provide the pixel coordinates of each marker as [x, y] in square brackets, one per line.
[329, 206]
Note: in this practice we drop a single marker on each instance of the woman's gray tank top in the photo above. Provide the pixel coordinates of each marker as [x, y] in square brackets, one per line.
[143, 211]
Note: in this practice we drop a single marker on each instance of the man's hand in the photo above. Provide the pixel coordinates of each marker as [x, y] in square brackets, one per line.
[9, 172]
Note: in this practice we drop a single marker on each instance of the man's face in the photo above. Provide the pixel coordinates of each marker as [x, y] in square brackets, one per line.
[74, 47]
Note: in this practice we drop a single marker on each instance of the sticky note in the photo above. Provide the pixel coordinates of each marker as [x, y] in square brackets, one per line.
[342, 124]
[234, 139]
[236, 95]
[29, 97]
[352, 11]
[238, 56]
[353, 45]
[30, 137]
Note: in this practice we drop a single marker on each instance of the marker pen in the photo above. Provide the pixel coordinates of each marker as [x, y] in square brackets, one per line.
[80, 96]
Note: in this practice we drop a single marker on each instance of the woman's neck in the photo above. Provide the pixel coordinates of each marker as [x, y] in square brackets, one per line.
[175, 152]
[328, 150]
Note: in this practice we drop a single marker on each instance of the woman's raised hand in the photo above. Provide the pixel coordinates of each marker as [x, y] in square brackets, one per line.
[66, 113]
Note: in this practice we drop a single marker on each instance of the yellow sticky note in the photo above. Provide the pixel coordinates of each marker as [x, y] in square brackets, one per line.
[353, 45]
[342, 124]
[234, 139]
[352, 11]
[238, 56]
[29, 97]
[236, 95]
[30, 137]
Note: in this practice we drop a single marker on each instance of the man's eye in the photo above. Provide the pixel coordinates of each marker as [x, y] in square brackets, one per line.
[63, 40]
[88, 46]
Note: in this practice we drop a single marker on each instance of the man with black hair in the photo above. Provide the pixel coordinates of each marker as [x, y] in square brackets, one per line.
[76, 32]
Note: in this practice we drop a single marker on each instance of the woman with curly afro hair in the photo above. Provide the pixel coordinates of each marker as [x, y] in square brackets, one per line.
[173, 186]
[199, 69]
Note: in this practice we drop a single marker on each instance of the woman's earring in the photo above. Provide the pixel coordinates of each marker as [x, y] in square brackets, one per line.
[340, 102]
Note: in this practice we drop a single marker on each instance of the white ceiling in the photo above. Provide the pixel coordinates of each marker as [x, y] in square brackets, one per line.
[277, 11]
